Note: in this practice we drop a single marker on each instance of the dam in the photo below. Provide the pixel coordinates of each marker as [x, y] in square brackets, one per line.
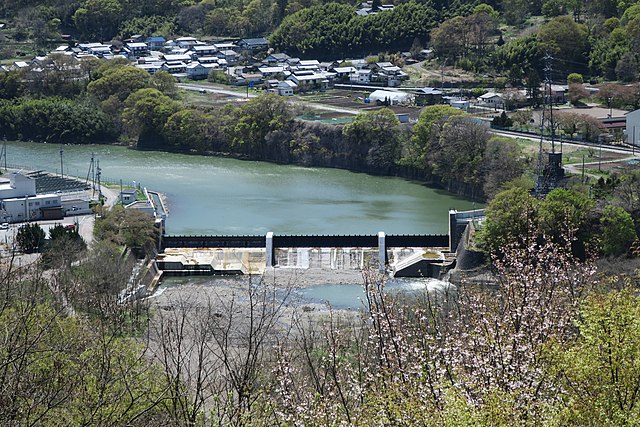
[400, 255]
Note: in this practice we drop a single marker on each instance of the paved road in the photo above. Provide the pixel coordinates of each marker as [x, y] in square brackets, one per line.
[605, 147]
[291, 101]
[576, 169]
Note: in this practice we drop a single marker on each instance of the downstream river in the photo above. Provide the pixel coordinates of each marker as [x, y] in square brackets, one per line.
[209, 195]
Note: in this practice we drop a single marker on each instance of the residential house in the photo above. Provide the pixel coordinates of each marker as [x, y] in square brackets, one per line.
[491, 99]
[81, 56]
[276, 58]
[136, 38]
[156, 42]
[428, 96]
[293, 61]
[359, 64]
[254, 45]
[225, 46]
[368, 8]
[178, 51]
[328, 65]
[426, 54]
[558, 93]
[41, 61]
[86, 46]
[286, 88]
[251, 79]
[150, 67]
[388, 74]
[309, 80]
[137, 49]
[17, 65]
[186, 42]
[204, 50]
[183, 57]
[100, 50]
[343, 74]
[312, 63]
[382, 65]
[362, 76]
[268, 72]
[208, 59]
[231, 56]
[174, 67]
[198, 71]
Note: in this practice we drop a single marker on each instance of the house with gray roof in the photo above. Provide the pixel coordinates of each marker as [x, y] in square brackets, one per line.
[203, 50]
[137, 50]
[254, 45]
[275, 58]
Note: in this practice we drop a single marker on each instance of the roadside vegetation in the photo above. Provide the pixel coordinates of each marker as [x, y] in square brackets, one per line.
[525, 351]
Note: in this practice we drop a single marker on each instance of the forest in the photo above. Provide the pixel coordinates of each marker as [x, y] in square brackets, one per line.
[509, 38]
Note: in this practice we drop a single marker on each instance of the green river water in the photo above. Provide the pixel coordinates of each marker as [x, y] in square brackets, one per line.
[208, 195]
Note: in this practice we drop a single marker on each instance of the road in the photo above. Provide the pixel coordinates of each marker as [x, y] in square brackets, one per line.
[576, 169]
[620, 150]
[295, 102]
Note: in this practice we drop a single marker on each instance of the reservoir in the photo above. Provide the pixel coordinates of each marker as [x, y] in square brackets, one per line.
[209, 195]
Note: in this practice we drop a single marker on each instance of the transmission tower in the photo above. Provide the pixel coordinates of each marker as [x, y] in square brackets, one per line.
[549, 172]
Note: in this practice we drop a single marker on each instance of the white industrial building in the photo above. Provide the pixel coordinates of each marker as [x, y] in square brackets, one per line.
[633, 127]
[393, 98]
[19, 201]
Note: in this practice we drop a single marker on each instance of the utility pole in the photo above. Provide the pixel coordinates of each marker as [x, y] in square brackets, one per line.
[61, 167]
[98, 180]
[3, 155]
[91, 174]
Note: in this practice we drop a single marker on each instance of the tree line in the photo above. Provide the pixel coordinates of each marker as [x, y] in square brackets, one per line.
[334, 30]
[115, 102]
